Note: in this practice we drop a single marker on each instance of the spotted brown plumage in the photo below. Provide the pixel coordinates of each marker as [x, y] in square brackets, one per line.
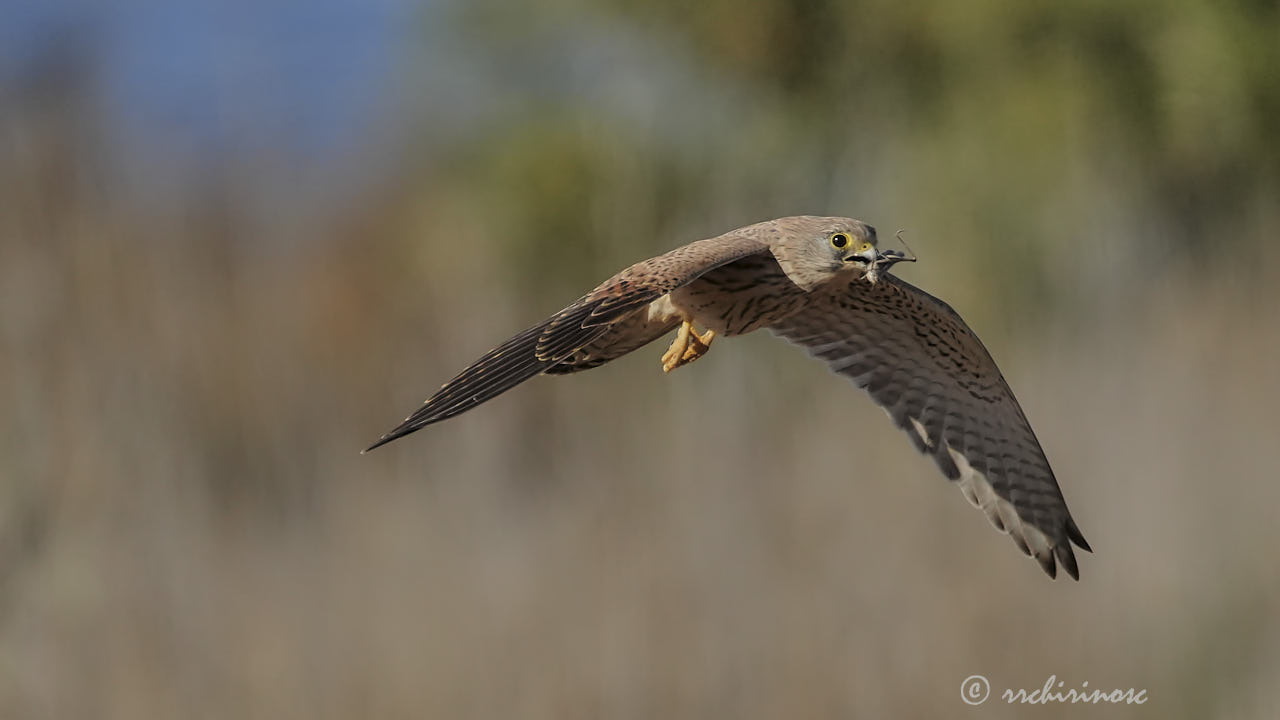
[934, 378]
[820, 283]
[619, 303]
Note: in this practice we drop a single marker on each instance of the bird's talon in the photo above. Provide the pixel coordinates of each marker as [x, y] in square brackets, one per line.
[687, 347]
[698, 346]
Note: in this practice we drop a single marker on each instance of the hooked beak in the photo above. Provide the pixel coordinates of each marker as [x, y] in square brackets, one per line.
[880, 264]
[865, 258]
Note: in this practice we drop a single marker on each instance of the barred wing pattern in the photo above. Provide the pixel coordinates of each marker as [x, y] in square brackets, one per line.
[920, 362]
[542, 346]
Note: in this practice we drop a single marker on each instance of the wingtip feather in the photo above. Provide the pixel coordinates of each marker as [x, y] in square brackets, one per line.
[1047, 563]
[381, 441]
[1068, 560]
[1074, 534]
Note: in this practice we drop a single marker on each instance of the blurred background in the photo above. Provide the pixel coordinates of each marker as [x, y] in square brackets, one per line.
[239, 241]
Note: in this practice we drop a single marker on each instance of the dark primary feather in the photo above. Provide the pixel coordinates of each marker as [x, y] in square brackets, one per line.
[542, 346]
[502, 368]
[920, 362]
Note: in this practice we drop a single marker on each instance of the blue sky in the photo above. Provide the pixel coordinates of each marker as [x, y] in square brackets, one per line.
[306, 74]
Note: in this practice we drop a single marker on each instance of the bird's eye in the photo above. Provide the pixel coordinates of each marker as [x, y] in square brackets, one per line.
[839, 240]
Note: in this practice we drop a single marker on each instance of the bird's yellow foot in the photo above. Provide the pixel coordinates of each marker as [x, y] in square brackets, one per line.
[687, 347]
[698, 345]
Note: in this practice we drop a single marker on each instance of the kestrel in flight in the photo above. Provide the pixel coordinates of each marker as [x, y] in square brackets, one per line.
[821, 283]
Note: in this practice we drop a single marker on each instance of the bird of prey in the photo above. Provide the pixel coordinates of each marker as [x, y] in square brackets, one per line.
[822, 284]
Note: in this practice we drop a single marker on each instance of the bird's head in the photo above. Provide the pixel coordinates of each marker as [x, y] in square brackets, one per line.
[816, 250]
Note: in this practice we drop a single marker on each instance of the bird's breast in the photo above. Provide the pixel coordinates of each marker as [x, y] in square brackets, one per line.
[740, 297]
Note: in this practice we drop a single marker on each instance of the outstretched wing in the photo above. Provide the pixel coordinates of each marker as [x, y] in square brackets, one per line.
[539, 348]
[920, 362]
